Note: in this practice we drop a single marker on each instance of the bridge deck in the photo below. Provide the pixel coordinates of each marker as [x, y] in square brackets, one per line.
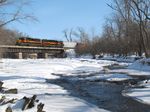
[30, 47]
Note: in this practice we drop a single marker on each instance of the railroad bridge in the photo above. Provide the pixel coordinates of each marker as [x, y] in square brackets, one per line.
[9, 51]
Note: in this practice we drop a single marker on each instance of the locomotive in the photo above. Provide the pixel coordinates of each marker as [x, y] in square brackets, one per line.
[26, 41]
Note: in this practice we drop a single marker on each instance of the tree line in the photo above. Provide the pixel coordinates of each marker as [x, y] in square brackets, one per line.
[125, 32]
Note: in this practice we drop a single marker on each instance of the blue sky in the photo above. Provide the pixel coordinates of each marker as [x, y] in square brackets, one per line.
[56, 15]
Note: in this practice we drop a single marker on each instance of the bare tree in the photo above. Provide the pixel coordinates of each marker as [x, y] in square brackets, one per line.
[7, 37]
[12, 11]
[68, 34]
[135, 12]
[141, 13]
[84, 43]
[16, 14]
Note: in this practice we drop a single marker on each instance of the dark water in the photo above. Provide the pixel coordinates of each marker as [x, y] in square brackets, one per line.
[104, 94]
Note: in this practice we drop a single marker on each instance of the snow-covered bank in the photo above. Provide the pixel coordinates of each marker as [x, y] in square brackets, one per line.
[106, 77]
[142, 65]
[139, 68]
[28, 76]
[140, 94]
[128, 59]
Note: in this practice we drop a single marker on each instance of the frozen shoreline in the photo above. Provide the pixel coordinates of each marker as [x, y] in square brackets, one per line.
[28, 76]
[140, 68]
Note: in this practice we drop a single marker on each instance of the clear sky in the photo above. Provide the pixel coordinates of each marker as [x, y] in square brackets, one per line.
[56, 15]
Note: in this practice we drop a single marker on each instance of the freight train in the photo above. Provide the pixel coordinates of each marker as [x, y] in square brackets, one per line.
[26, 41]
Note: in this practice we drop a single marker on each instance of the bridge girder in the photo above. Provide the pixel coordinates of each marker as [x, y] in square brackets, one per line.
[29, 49]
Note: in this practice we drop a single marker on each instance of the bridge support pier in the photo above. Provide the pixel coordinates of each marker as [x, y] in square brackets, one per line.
[46, 56]
[20, 55]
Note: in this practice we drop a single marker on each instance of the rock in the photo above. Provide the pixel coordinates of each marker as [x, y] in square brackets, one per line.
[26, 103]
[6, 101]
[37, 100]
[105, 70]
[2, 99]
[8, 109]
[40, 107]
[12, 91]
[1, 84]
[32, 101]
[29, 102]
[148, 63]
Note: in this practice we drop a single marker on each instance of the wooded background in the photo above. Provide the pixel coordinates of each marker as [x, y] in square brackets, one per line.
[125, 32]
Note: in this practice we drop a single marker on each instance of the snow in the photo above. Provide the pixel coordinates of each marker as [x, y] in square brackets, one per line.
[142, 65]
[69, 104]
[108, 77]
[132, 72]
[28, 76]
[86, 56]
[140, 94]
[128, 59]
[118, 77]
[139, 68]
[70, 53]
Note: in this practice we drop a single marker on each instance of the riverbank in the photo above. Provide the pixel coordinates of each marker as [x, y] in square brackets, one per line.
[90, 76]
[28, 76]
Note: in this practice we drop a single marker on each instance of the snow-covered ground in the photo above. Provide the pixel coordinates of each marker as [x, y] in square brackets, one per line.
[141, 94]
[141, 65]
[28, 76]
[140, 68]
[106, 77]
[129, 59]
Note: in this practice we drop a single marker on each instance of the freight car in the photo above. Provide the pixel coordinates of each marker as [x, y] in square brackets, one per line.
[25, 41]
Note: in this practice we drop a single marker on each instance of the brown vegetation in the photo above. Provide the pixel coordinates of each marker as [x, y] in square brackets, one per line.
[8, 37]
